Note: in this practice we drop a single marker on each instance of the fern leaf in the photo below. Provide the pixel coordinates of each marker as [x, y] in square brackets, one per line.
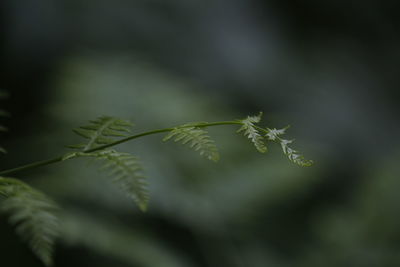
[248, 128]
[126, 171]
[33, 215]
[196, 138]
[102, 131]
[274, 134]
[293, 155]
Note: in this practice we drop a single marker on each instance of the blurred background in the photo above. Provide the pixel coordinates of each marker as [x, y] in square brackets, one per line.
[330, 69]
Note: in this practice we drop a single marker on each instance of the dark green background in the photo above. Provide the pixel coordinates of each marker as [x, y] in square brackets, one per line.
[328, 68]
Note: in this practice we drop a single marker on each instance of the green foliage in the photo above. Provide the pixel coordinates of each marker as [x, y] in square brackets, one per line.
[253, 132]
[33, 214]
[248, 128]
[293, 155]
[126, 171]
[124, 168]
[102, 131]
[196, 138]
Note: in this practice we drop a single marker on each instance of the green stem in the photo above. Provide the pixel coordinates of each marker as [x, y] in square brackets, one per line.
[126, 139]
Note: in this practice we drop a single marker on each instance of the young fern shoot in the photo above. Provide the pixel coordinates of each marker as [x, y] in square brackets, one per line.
[34, 214]
[248, 128]
[259, 135]
[293, 155]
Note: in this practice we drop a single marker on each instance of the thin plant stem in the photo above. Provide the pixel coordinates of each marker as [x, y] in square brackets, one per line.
[41, 163]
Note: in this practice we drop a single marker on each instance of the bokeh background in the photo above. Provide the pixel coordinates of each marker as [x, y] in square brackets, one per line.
[330, 69]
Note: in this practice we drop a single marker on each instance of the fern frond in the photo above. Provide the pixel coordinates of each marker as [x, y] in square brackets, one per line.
[274, 134]
[126, 171]
[102, 131]
[293, 155]
[248, 128]
[33, 215]
[196, 138]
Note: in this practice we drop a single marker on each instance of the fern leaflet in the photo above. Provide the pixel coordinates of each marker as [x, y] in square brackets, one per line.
[197, 139]
[33, 214]
[101, 132]
[293, 155]
[250, 130]
[126, 171]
